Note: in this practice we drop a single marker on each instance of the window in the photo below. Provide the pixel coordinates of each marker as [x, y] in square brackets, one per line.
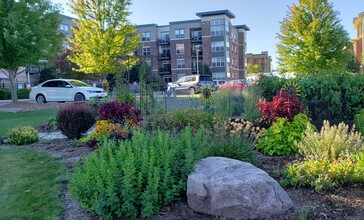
[146, 36]
[218, 61]
[217, 22]
[180, 63]
[165, 36]
[146, 50]
[167, 78]
[217, 30]
[149, 62]
[179, 33]
[217, 46]
[64, 28]
[180, 48]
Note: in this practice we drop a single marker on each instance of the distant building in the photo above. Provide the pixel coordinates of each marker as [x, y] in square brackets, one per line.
[358, 41]
[190, 47]
[263, 60]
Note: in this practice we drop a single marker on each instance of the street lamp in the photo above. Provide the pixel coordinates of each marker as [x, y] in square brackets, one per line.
[197, 50]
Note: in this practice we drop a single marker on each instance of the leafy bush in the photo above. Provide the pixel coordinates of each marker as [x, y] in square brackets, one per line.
[251, 96]
[270, 85]
[280, 138]
[180, 119]
[123, 113]
[359, 121]
[329, 97]
[332, 157]
[23, 135]
[75, 119]
[284, 105]
[5, 94]
[137, 177]
[228, 103]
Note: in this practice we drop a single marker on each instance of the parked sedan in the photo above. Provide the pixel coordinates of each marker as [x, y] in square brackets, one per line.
[62, 90]
[236, 84]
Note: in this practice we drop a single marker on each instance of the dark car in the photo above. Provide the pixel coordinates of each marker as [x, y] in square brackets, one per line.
[190, 84]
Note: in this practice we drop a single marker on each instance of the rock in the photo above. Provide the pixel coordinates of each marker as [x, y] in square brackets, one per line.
[234, 189]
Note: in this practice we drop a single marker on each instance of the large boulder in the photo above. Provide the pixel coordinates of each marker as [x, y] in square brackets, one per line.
[234, 189]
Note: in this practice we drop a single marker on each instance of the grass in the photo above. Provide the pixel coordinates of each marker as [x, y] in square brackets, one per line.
[29, 185]
[10, 120]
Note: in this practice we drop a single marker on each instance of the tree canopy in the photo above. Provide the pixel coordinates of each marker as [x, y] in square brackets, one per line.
[312, 40]
[104, 38]
[29, 32]
[253, 68]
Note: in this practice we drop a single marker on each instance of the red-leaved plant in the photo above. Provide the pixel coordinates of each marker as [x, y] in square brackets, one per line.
[120, 113]
[284, 105]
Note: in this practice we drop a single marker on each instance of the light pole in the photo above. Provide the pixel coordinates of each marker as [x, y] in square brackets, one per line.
[197, 50]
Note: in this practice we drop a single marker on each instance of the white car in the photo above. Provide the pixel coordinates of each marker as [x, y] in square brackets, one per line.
[63, 90]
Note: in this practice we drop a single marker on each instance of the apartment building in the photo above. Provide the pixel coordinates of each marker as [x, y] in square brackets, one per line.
[263, 60]
[191, 46]
[359, 42]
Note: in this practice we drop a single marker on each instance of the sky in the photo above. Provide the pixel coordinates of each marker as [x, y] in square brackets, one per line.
[263, 17]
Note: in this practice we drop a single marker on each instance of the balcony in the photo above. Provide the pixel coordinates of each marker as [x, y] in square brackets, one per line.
[163, 41]
[165, 69]
[199, 52]
[196, 38]
[194, 68]
[164, 56]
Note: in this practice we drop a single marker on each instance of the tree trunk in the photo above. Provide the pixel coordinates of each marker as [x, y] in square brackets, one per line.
[13, 86]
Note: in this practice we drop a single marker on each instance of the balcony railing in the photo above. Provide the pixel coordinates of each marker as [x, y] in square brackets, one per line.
[195, 38]
[164, 56]
[199, 52]
[165, 69]
[162, 41]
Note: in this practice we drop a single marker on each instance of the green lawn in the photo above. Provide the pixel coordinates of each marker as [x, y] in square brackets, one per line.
[29, 185]
[35, 118]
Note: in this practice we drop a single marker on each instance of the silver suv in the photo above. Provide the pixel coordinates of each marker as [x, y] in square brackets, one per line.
[190, 84]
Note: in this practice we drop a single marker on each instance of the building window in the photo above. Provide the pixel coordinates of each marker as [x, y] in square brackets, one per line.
[149, 62]
[146, 50]
[179, 33]
[180, 48]
[219, 76]
[217, 22]
[217, 46]
[146, 36]
[64, 28]
[165, 36]
[217, 30]
[218, 61]
[180, 63]
[167, 78]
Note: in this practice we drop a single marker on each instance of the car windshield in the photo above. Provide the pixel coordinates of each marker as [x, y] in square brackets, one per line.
[78, 83]
[205, 78]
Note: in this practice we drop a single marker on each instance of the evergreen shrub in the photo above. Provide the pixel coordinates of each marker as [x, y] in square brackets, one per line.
[23, 135]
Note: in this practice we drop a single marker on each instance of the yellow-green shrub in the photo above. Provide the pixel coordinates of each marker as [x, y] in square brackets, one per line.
[23, 135]
[332, 157]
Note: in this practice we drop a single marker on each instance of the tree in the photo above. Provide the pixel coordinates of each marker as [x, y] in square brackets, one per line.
[207, 70]
[353, 65]
[28, 33]
[312, 40]
[253, 68]
[104, 39]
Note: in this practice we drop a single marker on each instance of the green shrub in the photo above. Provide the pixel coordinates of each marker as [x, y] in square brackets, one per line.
[137, 177]
[228, 103]
[270, 85]
[359, 121]
[5, 94]
[279, 139]
[251, 96]
[23, 135]
[180, 119]
[332, 157]
[75, 119]
[23, 94]
[239, 148]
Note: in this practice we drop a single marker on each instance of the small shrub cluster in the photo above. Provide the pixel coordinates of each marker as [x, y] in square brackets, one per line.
[5, 94]
[359, 121]
[237, 127]
[270, 85]
[137, 177]
[180, 119]
[120, 112]
[23, 135]
[280, 138]
[333, 156]
[284, 105]
[75, 119]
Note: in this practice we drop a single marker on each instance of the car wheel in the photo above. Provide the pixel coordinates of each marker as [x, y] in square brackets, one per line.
[191, 91]
[79, 97]
[41, 99]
